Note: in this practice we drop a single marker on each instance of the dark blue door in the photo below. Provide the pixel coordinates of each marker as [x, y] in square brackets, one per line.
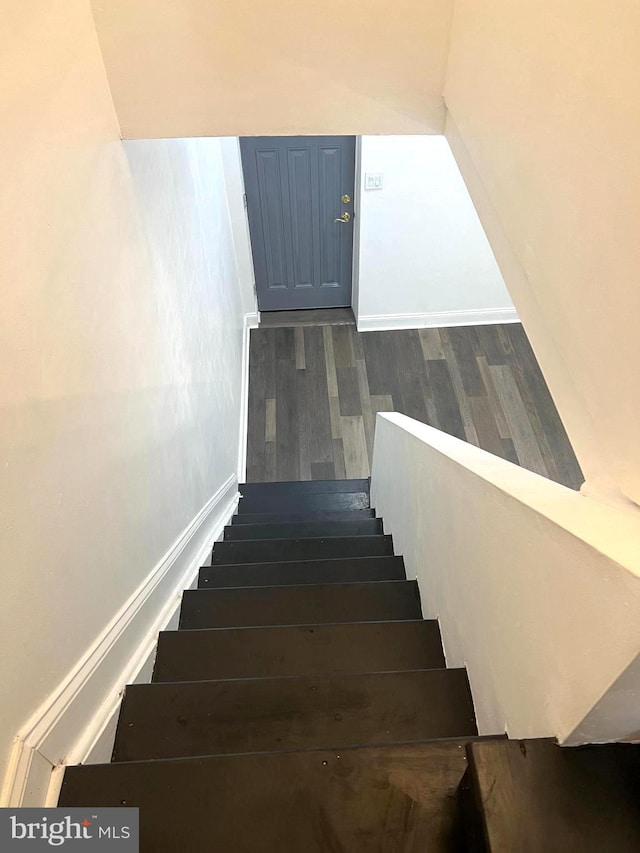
[300, 207]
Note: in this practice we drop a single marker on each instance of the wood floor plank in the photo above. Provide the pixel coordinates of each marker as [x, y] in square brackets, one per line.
[381, 403]
[368, 417]
[490, 344]
[321, 445]
[343, 347]
[259, 361]
[431, 344]
[270, 471]
[339, 467]
[445, 398]
[379, 358]
[410, 370]
[330, 362]
[455, 370]
[492, 394]
[510, 451]
[523, 436]
[433, 418]
[485, 424]
[269, 366]
[348, 391]
[304, 425]
[535, 421]
[287, 453]
[460, 340]
[299, 345]
[323, 470]
[334, 413]
[270, 420]
[355, 447]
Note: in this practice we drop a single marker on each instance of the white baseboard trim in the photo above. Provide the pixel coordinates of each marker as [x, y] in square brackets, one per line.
[436, 319]
[251, 321]
[67, 725]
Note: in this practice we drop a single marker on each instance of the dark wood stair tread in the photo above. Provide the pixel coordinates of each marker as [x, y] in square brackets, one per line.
[337, 570]
[300, 605]
[301, 650]
[538, 797]
[303, 529]
[271, 550]
[294, 517]
[305, 503]
[303, 487]
[397, 798]
[165, 720]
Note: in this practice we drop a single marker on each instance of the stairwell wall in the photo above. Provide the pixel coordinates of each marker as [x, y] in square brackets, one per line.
[544, 118]
[423, 258]
[239, 67]
[120, 382]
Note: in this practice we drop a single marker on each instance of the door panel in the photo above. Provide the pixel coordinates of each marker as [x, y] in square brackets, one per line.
[294, 185]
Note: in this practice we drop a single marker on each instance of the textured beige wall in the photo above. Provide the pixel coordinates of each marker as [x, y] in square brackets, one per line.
[241, 67]
[120, 348]
[544, 99]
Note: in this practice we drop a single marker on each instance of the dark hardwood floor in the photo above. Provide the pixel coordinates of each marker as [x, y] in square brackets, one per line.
[314, 392]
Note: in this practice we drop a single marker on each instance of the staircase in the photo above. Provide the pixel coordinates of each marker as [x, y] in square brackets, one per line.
[305, 705]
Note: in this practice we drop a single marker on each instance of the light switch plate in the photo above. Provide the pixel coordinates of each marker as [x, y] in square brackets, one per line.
[373, 180]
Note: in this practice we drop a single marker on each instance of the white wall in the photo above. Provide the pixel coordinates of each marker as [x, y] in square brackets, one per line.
[543, 99]
[234, 181]
[536, 587]
[120, 371]
[242, 68]
[424, 259]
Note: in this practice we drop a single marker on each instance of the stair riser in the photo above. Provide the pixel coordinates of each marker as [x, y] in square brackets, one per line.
[300, 605]
[296, 573]
[305, 503]
[311, 530]
[264, 715]
[274, 550]
[318, 649]
[297, 517]
[294, 488]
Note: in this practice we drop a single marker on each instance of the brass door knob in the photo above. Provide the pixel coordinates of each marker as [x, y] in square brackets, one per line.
[346, 217]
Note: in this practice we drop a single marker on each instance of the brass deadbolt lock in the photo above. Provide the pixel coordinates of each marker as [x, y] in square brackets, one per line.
[346, 199]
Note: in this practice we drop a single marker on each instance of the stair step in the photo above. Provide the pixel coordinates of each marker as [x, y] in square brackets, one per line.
[275, 550]
[349, 570]
[536, 796]
[302, 650]
[295, 517]
[333, 501]
[175, 720]
[303, 487]
[394, 798]
[304, 529]
[300, 605]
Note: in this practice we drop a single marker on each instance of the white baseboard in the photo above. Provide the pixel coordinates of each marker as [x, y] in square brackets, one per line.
[251, 321]
[69, 723]
[436, 319]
